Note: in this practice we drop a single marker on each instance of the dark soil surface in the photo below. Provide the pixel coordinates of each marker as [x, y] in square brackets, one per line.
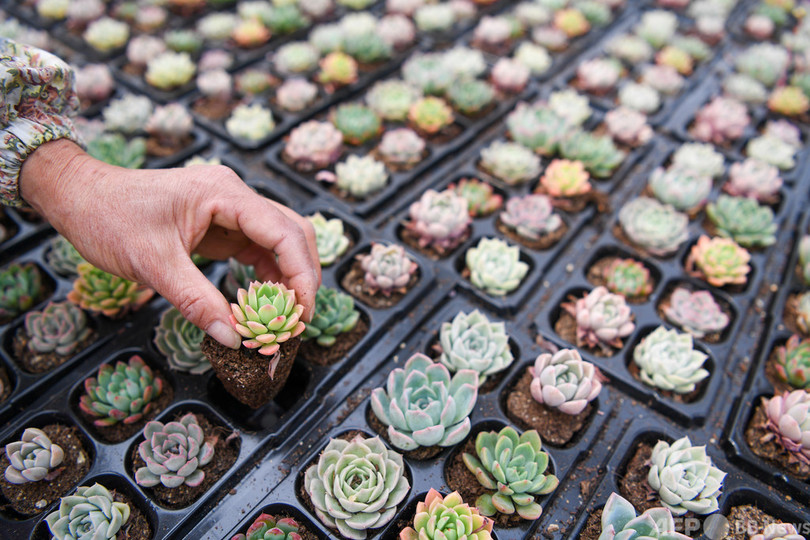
[5, 385]
[771, 450]
[214, 109]
[158, 148]
[746, 521]
[137, 526]
[593, 527]
[34, 362]
[791, 315]
[326, 356]
[353, 282]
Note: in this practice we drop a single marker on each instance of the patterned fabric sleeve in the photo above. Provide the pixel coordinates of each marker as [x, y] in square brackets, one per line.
[37, 95]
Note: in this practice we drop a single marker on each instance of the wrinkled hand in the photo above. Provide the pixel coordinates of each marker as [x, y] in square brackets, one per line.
[143, 224]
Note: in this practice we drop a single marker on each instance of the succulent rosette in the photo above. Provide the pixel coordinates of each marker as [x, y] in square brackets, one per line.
[423, 406]
[334, 314]
[180, 342]
[564, 381]
[628, 277]
[696, 312]
[174, 453]
[531, 216]
[439, 219]
[603, 318]
[495, 266]
[668, 360]
[20, 287]
[356, 485]
[329, 238]
[100, 292]
[266, 315]
[90, 513]
[778, 531]
[514, 467]
[481, 198]
[793, 362]
[619, 521]
[33, 458]
[743, 220]
[267, 527]
[720, 261]
[387, 269]
[789, 423]
[439, 518]
[656, 227]
[58, 329]
[472, 341]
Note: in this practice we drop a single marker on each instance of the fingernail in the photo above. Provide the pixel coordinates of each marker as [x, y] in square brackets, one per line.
[224, 334]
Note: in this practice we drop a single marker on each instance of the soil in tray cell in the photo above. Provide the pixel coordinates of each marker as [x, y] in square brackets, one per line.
[766, 446]
[34, 362]
[326, 356]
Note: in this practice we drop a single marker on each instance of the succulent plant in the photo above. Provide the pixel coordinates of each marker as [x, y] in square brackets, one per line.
[510, 162]
[170, 124]
[356, 485]
[396, 31]
[668, 360]
[785, 131]
[531, 216]
[696, 312]
[598, 75]
[627, 277]
[630, 48]
[745, 88]
[470, 97]
[20, 288]
[187, 41]
[439, 219]
[803, 312]
[656, 227]
[657, 27]
[401, 146]
[58, 329]
[217, 26]
[509, 76]
[358, 123]
[778, 531]
[296, 94]
[793, 362]
[115, 149]
[764, 62]
[314, 145]
[422, 405]
[253, 81]
[772, 150]
[215, 84]
[472, 341]
[430, 115]
[434, 17]
[720, 261]
[492, 31]
[603, 318]
[685, 477]
[174, 453]
[357, 176]
[640, 97]
[495, 266]
[481, 198]
[266, 315]
[285, 19]
[628, 126]
[106, 34]
[448, 517]
[249, 33]
[33, 458]
[699, 158]
[661, 78]
[327, 38]
[515, 468]
[789, 100]
[334, 315]
[91, 512]
[681, 188]
[619, 520]
[754, 179]
[551, 38]
[537, 128]
[535, 57]
[267, 527]
[368, 47]
[125, 393]
[721, 120]
[128, 114]
[179, 341]
[387, 269]
[743, 220]
[572, 22]
[141, 49]
[405, 7]
[428, 72]
[329, 238]
[52, 9]
[62, 257]
[464, 63]
[338, 69]
[250, 122]
[392, 99]
[597, 153]
[789, 423]
[100, 292]
[170, 70]
[296, 57]
[564, 381]
[94, 82]
[677, 58]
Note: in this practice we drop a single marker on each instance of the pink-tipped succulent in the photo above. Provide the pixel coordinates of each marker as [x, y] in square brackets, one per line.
[722, 120]
[439, 219]
[696, 312]
[387, 269]
[447, 517]
[720, 261]
[94, 82]
[789, 100]
[603, 319]
[628, 126]
[531, 216]
[789, 423]
[793, 362]
[564, 381]
[266, 315]
[628, 277]
[481, 198]
[754, 179]
[565, 178]
[510, 76]
[267, 527]
[314, 145]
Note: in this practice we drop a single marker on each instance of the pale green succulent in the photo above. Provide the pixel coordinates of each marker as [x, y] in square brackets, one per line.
[571, 106]
[765, 62]
[250, 122]
[357, 176]
[538, 128]
[495, 266]
[699, 158]
[170, 70]
[656, 227]
[685, 477]
[33, 458]
[744, 220]
[510, 162]
[356, 485]
[330, 239]
[90, 513]
[619, 522]
[62, 257]
[422, 405]
[334, 315]
[668, 360]
[598, 153]
[472, 341]
[515, 468]
[180, 342]
[106, 34]
[773, 150]
[681, 188]
[392, 99]
[439, 518]
[534, 57]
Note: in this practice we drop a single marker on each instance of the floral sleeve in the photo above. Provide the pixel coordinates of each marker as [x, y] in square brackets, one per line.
[37, 96]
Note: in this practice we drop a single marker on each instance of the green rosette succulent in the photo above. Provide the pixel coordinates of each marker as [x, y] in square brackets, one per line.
[115, 149]
[357, 123]
[668, 360]
[793, 362]
[239, 276]
[62, 257]
[33, 458]
[100, 292]
[495, 266]
[514, 467]
[685, 478]
[719, 261]
[334, 315]
[125, 393]
[267, 527]
[619, 522]
[481, 198]
[392, 99]
[628, 277]
[743, 220]
[90, 513]
[173, 453]
[356, 485]
[423, 406]
[283, 19]
[598, 153]
[470, 97]
[330, 239]
[537, 128]
[440, 518]
[57, 329]
[471, 341]
[20, 288]
[180, 342]
[266, 315]
[656, 227]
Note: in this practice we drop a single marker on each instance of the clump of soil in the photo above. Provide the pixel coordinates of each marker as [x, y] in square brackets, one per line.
[757, 435]
[33, 497]
[226, 450]
[746, 521]
[34, 362]
[244, 372]
[354, 283]
[555, 428]
[593, 526]
[213, 109]
[544, 242]
[326, 356]
[596, 275]
[161, 148]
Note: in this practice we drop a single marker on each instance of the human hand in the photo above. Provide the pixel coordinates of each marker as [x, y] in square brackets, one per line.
[142, 225]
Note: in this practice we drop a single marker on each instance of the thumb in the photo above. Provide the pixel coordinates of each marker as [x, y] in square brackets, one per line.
[197, 299]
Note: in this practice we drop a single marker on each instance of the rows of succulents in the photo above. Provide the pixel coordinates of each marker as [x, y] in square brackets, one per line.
[566, 261]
